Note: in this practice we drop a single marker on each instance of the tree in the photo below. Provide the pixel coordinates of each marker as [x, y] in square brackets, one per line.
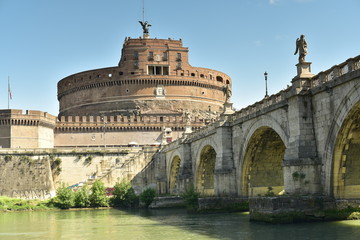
[98, 195]
[82, 198]
[64, 197]
[147, 196]
[124, 195]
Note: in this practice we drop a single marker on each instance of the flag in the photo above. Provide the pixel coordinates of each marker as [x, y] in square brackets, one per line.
[9, 90]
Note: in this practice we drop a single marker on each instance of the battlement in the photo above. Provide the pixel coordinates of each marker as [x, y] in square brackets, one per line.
[153, 41]
[151, 123]
[27, 118]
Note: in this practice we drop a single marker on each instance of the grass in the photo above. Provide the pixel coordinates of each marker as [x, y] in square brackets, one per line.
[15, 204]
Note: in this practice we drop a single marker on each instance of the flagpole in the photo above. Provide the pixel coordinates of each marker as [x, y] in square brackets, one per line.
[8, 92]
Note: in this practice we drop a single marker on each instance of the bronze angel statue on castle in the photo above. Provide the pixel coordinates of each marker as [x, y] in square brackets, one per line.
[145, 25]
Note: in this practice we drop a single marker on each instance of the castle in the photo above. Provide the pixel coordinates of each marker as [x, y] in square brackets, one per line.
[150, 98]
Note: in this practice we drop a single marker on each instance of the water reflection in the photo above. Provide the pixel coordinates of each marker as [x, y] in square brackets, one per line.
[160, 224]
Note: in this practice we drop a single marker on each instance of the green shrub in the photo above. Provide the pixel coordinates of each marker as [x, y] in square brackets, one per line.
[88, 160]
[82, 198]
[124, 195]
[147, 196]
[8, 158]
[98, 195]
[270, 192]
[16, 204]
[64, 197]
[191, 197]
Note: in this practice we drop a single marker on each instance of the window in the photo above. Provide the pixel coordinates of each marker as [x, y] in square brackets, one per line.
[151, 56]
[165, 70]
[178, 57]
[151, 70]
[136, 64]
[136, 55]
[158, 70]
[165, 56]
[219, 79]
[178, 66]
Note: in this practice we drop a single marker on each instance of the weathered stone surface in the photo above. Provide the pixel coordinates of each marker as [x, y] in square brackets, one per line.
[168, 202]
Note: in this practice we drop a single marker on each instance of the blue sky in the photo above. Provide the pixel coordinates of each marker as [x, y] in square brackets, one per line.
[43, 41]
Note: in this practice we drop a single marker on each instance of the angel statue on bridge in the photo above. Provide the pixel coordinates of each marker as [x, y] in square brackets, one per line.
[227, 93]
[301, 47]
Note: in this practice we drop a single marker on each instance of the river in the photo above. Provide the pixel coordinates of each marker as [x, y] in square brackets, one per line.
[111, 224]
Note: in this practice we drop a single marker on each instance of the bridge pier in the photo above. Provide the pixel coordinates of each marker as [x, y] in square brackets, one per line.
[301, 165]
[225, 173]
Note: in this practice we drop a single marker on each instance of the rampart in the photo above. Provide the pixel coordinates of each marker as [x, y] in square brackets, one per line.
[30, 129]
[35, 173]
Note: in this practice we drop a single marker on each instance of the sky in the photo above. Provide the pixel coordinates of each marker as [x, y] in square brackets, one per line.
[43, 41]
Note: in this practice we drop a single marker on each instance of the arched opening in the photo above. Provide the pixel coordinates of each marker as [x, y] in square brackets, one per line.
[219, 79]
[205, 171]
[174, 172]
[262, 170]
[346, 157]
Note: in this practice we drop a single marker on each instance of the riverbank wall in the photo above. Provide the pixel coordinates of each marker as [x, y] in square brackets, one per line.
[292, 209]
[36, 173]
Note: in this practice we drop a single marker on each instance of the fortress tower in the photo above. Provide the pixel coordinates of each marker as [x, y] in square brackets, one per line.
[153, 77]
[149, 92]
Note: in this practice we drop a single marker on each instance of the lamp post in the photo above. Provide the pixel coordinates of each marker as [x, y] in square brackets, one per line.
[266, 90]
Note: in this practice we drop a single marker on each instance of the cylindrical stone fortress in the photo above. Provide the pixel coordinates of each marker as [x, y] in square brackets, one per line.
[153, 77]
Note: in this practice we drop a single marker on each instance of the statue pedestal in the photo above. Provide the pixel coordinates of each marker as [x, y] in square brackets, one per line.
[228, 109]
[302, 80]
[187, 129]
[304, 70]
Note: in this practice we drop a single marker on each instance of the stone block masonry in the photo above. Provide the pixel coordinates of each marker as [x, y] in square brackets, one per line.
[35, 173]
[26, 176]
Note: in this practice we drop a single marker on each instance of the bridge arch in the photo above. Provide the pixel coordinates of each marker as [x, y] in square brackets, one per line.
[173, 174]
[342, 149]
[261, 158]
[205, 171]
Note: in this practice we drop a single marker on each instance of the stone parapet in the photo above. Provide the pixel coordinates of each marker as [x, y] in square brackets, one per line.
[27, 118]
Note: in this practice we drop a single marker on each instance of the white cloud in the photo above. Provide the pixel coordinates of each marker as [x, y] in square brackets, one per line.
[258, 43]
[273, 1]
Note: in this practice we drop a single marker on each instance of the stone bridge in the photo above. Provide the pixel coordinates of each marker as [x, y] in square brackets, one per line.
[302, 140]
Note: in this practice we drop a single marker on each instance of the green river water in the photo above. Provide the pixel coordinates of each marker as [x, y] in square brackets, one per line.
[160, 224]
